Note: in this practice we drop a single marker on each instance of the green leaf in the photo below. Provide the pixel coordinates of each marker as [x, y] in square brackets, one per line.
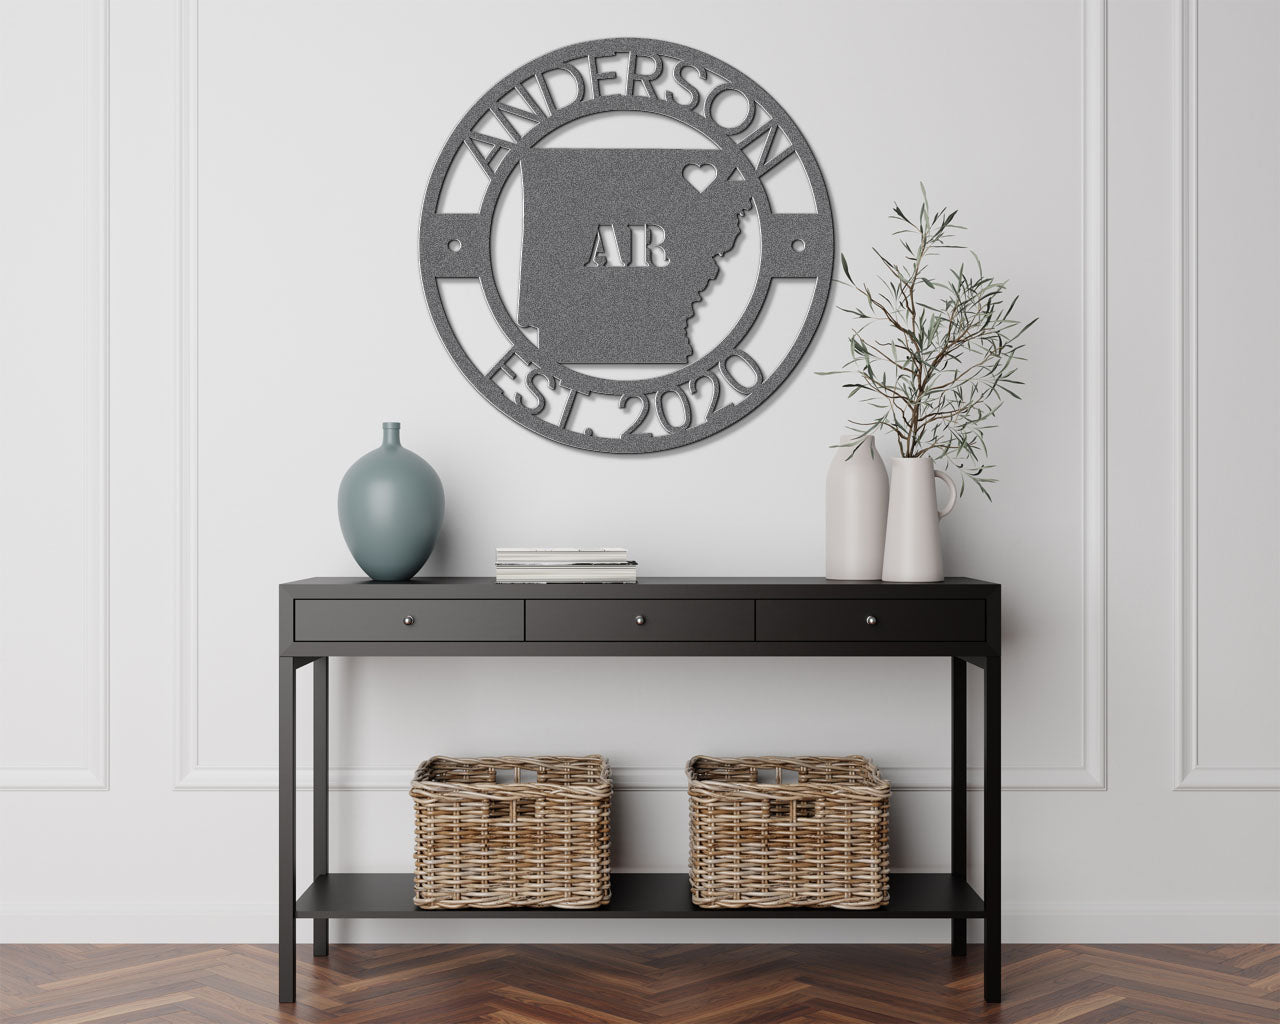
[934, 374]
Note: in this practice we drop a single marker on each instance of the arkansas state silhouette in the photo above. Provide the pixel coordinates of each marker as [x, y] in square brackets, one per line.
[620, 244]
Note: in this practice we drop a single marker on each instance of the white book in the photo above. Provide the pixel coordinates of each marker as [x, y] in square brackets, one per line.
[560, 556]
[569, 569]
[518, 564]
[560, 551]
[567, 574]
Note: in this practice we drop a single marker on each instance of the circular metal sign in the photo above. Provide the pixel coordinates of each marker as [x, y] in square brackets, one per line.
[594, 348]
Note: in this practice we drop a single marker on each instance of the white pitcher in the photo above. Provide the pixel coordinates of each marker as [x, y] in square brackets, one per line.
[912, 542]
[857, 502]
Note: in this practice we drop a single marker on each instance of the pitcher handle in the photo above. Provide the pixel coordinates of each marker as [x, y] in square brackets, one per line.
[951, 501]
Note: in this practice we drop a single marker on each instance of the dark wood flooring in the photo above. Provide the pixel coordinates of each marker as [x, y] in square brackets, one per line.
[75, 984]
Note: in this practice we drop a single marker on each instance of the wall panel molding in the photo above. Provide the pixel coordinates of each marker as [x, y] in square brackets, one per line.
[1188, 771]
[1093, 922]
[92, 771]
[186, 262]
[658, 778]
[1089, 773]
[1092, 772]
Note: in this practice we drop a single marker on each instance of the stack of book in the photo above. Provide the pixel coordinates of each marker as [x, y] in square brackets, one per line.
[564, 565]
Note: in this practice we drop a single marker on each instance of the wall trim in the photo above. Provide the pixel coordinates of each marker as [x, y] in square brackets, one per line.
[1188, 772]
[1229, 778]
[186, 591]
[93, 770]
[657, 778]
[1218, 923]
[1091, 771]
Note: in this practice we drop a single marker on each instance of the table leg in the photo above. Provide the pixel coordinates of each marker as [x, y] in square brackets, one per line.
[288, 828]
[320, 793]
[959, 794]
[991, 830]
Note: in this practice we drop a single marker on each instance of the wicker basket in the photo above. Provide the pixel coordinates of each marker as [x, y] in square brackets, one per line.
[820, 841]
[539, 840]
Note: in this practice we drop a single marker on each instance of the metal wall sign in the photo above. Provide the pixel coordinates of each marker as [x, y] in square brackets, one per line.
[620, 244]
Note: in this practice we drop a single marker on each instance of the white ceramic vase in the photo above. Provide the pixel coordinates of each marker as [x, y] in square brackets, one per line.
[912, 542]
[857, 502]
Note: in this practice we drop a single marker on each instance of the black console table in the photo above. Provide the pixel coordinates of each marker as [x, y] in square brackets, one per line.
[320, 618]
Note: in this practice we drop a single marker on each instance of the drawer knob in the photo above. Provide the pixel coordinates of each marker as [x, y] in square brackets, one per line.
[409, 620]
[639, 620]
[872, 620]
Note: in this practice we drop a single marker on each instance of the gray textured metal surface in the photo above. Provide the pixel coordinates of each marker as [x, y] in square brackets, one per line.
[620, 244]
[599, 275]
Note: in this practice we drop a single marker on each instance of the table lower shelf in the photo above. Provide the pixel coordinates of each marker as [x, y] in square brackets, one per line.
[911, 894]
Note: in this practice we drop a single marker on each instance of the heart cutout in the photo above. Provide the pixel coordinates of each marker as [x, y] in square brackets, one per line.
[700, 176]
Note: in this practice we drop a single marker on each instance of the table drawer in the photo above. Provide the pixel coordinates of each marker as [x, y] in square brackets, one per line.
[408, 620]
[613, 619]
[871, 620]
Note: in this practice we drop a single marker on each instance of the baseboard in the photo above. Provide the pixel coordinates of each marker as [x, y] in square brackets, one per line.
[1216, 923]
[114, 923]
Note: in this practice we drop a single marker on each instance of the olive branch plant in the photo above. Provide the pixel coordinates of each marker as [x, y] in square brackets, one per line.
[935, 357]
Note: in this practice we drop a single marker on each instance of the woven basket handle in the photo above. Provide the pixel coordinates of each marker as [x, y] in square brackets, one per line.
[791, 802]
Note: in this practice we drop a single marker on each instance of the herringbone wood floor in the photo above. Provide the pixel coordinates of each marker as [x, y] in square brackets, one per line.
[641, 985]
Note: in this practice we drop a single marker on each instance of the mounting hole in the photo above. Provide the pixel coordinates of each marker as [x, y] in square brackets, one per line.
[798, 245]
[454, 245]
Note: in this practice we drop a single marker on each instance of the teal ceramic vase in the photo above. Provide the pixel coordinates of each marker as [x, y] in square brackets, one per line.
[390, 507]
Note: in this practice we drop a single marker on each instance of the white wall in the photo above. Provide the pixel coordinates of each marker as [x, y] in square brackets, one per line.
[211, 302]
